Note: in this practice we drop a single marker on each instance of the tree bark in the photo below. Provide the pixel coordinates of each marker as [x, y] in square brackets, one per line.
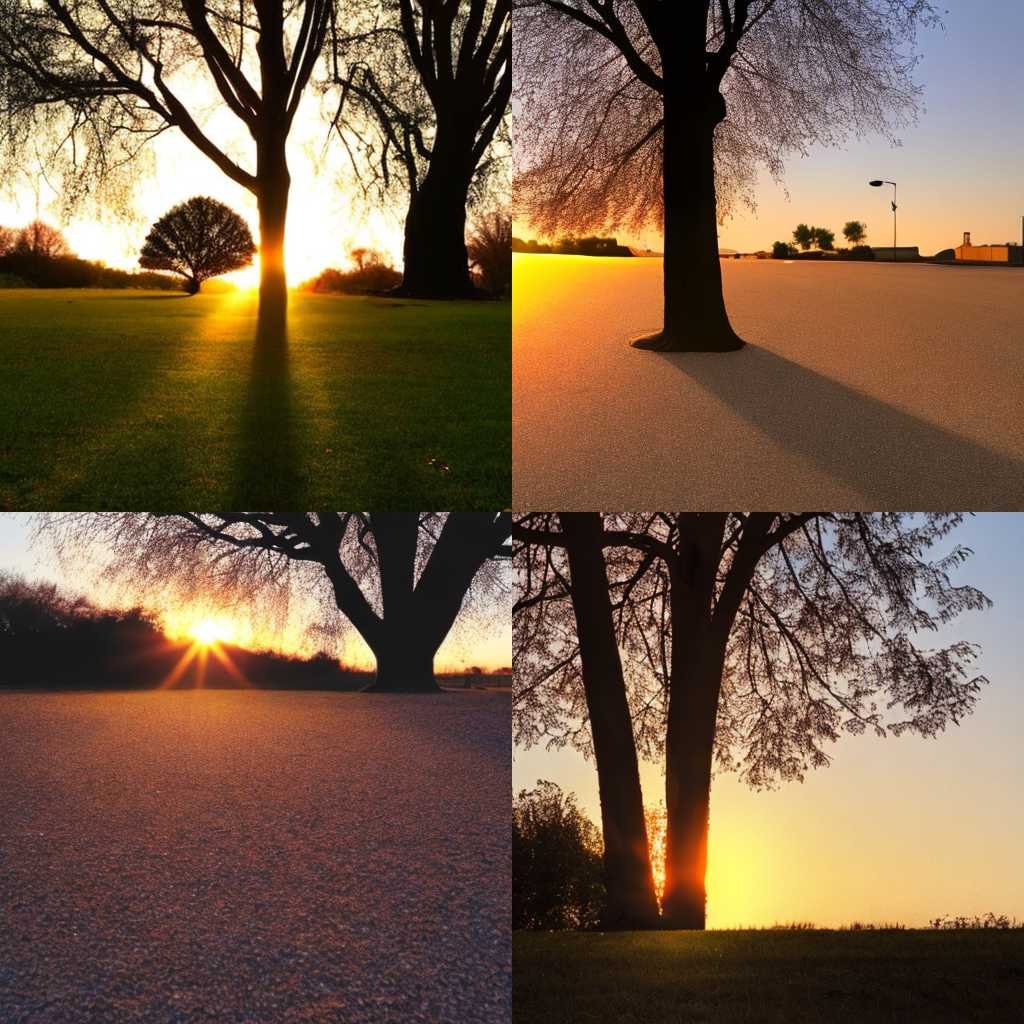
[695, 319]
[272, 202]
[631, 902]
[436, 263]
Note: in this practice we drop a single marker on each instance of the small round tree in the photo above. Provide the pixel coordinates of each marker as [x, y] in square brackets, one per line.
[855, 231]
[199, 239]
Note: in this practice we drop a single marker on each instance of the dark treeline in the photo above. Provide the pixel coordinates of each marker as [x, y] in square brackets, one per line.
[590, 246]
[49, 640]
[38, 256]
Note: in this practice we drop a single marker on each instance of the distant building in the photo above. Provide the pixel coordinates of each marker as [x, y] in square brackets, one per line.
[1006, 253]
[903, 252]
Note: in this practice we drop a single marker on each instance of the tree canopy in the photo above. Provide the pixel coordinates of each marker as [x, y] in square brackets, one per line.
[199, 239]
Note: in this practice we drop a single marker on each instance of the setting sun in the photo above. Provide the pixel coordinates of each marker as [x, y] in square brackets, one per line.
[212, 631]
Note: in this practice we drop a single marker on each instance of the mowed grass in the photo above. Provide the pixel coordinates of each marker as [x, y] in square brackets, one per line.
[114, 400]
[768, 976]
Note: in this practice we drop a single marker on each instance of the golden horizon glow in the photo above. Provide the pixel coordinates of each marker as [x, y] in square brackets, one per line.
[208, 632]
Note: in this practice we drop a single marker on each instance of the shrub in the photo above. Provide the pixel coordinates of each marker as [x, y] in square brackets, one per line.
[490, 252]
[782, 251]
[372, 275]
[556, 862]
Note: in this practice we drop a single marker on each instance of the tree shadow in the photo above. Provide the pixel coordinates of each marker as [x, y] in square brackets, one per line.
[267, 466]
[891, 457]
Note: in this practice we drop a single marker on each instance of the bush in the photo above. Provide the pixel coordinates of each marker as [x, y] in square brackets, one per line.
[11, 281]
[556, 862]
[861, 252]
[490, 253]
[782, 251]
[372, 275]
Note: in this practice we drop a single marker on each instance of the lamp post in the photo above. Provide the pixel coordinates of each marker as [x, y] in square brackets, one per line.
[879, 184]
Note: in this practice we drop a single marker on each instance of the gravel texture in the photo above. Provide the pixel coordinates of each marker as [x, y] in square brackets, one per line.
[862, 386]
[251, 857]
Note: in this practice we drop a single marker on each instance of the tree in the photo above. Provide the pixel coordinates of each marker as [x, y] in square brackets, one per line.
[199, 239]
[41, 240]
[824, 238]
[781, 250]
[435, 78]
[490, 251]
[399, 578]
[116, 74]
[556, 861]
[622, 99]
[8, 239]
[804, 236]
[594, 659]
[755, 639]
[855, 231]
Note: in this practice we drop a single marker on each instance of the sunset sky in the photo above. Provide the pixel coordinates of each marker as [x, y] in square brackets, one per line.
[958, 168]
[894, 830]
[482, 636]
[326, 219]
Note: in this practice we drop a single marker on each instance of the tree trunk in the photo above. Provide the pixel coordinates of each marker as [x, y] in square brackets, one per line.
[695, 319]
[689, 747]
[631, 901]
[409, 640]
[436, 264]
[272, 201]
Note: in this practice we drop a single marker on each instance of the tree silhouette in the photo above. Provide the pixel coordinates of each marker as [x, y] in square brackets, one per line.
[199, 239]
[490, 251]
[108, 75]
[435, 79]
[41, 240]
[824, 238]
[855, 231]
[8, 239]
[753, 640]
[804, 236]
[399, 578]
[623, 99]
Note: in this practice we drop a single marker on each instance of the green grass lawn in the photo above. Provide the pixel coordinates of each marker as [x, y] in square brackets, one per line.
[127, 400]
[769, 976]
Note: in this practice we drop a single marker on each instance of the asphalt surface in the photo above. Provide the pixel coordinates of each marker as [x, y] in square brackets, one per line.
[251, 857]
[861, 386]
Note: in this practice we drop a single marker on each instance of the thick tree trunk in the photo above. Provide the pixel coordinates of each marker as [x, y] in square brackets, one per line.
[273, 209]
[689, 747]
[695, 316]
[436, 264]
[631, 901]
[409, 639]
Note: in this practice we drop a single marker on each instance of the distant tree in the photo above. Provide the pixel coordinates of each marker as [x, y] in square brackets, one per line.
[106, 76]
[399, 578]
[804, 236]
[637, 112]
[199, 239]
[8, 240]
[824, 238]
[781, 250]
[435, 80]
[490, 251]
[855, 231]
[753, 640]
[41, 240]
[556, 861]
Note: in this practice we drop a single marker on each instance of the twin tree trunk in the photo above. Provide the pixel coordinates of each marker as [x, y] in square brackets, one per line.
[631, 901]
[436, 264]
[695, 319]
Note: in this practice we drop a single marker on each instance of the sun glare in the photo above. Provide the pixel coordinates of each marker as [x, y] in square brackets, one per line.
[212, 631]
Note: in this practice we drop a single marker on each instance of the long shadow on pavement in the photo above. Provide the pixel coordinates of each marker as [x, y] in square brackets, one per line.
[892, 457]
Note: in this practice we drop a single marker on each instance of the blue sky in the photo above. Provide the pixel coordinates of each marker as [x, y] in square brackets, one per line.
[897, 829]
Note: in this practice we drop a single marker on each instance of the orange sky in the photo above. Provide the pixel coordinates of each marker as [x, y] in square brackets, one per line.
[482, 636]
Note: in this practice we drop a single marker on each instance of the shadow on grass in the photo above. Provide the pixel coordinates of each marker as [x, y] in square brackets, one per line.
[886, 454]
[267, 467]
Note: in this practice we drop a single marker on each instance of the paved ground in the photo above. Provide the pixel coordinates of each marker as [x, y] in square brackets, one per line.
[238, 856]
[863, 386]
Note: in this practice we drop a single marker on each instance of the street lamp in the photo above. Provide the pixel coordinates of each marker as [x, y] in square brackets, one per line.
[879, 184]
